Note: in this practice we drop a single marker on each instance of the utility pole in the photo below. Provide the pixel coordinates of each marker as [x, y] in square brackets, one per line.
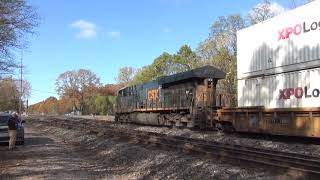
[21, 89]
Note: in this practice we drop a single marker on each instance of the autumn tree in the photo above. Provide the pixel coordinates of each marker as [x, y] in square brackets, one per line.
[9, 96]
[25, 91]
[17, 20]
[11, 92]
[263, 11]
[220, 50]
[101, 105]
[64, 105]
[110, 89]
[48, 106]
[185, 59]
[144, 74]
[100, 100]
[77, 85]
[125, 75]
[167, 64]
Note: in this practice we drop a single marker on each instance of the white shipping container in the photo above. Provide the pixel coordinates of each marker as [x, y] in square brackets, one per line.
[288, 42]
[286, 90]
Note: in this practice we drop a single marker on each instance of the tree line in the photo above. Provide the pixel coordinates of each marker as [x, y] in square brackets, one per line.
[99, 103]
[80, 91]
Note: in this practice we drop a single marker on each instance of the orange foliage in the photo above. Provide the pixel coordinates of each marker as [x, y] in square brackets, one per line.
[53, 106]
[47, 106]
[110, 89]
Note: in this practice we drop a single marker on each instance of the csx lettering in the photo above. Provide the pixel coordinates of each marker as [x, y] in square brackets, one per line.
[153, 94]
[298, 29]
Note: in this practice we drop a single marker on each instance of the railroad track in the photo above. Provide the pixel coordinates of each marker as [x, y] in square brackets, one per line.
[290, 161]
[308, 165]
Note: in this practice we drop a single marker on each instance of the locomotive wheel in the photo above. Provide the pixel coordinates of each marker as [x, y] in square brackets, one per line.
[116, 118]
[225, 127]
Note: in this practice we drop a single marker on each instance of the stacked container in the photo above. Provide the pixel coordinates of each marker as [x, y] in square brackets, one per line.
[279, 60]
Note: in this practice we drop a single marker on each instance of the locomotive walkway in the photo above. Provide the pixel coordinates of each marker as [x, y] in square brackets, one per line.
[297, 164]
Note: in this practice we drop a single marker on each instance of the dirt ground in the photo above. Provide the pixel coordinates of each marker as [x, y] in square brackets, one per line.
[45, 157]
[56, 153]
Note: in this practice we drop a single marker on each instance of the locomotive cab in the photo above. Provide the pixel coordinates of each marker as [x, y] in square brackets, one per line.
[206, 93]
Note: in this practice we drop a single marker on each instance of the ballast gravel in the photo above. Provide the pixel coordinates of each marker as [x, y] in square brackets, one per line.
[122, 159]
[309, 149]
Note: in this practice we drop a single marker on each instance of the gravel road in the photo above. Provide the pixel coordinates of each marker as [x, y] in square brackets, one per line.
[57, 153]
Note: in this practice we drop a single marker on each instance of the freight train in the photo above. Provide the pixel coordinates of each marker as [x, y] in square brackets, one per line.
[278, 67]
[189, 99]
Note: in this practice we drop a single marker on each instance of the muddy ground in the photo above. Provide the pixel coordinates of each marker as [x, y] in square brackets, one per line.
[57, 153]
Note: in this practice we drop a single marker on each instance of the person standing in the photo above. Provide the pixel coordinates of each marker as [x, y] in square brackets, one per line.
[12, 126]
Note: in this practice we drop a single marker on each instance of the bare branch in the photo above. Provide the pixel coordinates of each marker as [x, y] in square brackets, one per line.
[17, 19]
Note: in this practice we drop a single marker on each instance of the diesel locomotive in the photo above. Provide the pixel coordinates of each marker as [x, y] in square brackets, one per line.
[186, 99]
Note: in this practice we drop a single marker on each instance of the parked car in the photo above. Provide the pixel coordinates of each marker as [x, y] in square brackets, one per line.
[4, 132]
